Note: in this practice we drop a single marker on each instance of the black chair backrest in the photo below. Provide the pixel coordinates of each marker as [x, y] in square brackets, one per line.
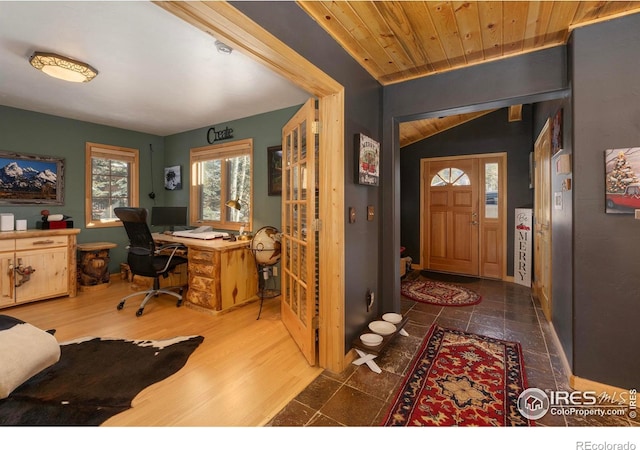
[142, 248]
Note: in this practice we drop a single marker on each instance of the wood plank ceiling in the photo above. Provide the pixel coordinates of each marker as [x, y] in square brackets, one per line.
[397, 41]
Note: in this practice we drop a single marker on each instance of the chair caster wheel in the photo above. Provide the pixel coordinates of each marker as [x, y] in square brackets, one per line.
[139, 312]
[120, 306]
[179, 303]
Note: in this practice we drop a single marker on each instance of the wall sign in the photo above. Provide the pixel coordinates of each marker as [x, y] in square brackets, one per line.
[213, 135]
[522, 249]
[367, 160]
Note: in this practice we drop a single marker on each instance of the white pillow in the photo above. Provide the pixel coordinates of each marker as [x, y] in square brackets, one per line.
[25, 350]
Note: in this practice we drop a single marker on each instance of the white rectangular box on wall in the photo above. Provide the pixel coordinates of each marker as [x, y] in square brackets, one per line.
[6, 222]
[523, 253]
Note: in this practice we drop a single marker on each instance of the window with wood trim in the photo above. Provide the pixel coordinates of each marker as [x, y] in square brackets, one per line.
[112, 180]
[219, 174]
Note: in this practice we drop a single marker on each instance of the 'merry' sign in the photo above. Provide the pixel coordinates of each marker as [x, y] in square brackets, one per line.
[522, 249]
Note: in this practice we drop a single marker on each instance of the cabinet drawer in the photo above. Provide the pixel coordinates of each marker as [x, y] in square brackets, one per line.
[41, 242]
[7, 245]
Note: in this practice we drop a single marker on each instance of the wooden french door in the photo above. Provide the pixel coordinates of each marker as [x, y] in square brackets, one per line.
[542, 220]
[299, 235]
[464, 215]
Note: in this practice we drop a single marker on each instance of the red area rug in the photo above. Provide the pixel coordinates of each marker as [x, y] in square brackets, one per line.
[461, 379]
[438, 293]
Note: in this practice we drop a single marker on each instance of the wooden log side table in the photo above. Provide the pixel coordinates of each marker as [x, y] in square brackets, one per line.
[368, 353]
[93, 265]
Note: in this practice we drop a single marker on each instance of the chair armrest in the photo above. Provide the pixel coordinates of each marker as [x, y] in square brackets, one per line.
[174, 245]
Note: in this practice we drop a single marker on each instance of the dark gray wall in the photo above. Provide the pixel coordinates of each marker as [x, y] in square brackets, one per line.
[561, 227]
[524, 79]
[288, 22]
[491, 133]
[606, 115]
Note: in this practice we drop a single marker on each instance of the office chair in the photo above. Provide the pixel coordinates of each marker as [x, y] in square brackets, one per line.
[145, 259]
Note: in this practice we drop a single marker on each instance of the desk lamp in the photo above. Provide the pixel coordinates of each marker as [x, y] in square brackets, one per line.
[234, 204]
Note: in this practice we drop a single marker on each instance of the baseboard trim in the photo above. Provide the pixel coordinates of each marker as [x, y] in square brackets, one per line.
[583, 384]
[563, 357]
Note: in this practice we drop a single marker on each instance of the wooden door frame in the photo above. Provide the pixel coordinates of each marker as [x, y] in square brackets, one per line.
[502, 204]
[225, 22]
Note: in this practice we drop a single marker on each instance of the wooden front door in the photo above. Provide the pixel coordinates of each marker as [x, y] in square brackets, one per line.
[542, 220]
[451, 195]
[299, 236]
[464, 215]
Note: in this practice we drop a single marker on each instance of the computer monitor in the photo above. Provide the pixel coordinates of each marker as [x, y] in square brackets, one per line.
[169, 216]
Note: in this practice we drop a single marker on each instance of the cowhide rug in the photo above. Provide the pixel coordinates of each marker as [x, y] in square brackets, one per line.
[94, 379]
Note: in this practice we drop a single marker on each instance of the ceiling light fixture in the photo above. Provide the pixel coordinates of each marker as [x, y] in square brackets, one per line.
[223, 48]
[62, 67]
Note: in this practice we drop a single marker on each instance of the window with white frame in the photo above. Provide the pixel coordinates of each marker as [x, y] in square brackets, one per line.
[222, 174]
[112, 180]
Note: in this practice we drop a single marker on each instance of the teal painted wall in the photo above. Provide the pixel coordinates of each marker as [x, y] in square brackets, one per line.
[42, 134]
[266, 131]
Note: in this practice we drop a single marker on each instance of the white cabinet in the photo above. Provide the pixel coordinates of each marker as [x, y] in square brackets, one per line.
[37, 264]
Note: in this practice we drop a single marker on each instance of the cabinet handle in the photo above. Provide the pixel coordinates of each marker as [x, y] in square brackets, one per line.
[48, 241]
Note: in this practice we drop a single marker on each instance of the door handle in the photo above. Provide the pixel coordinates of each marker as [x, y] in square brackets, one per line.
[475, 222]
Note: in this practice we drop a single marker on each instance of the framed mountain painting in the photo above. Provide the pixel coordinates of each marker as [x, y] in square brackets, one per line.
[31, 179]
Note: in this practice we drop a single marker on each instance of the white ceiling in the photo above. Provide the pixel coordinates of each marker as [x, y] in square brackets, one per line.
[156, 74]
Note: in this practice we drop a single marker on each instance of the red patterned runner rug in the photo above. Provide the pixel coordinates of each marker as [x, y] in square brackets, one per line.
[438, 293]
[461, 379]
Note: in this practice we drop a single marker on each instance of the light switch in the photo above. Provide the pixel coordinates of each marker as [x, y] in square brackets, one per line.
[370, 213]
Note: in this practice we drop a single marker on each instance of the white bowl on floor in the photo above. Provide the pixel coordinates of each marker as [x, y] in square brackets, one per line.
[392, 318]
[371, 339]
[381, 327]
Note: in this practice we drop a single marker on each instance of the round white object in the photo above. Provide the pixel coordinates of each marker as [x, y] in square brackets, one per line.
[371, 339]
[392, 318]
[266, 245]
[381, 327]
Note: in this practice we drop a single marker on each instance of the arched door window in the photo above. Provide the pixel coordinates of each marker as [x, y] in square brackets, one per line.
[451, 176]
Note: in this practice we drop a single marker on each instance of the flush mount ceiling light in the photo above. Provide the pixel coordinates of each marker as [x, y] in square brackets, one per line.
[62, 67]
[223, 48]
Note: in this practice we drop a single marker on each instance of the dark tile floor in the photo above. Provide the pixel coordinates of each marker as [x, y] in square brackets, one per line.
[360, 397]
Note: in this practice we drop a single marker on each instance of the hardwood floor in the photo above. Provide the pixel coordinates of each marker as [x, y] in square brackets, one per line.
[245, 371]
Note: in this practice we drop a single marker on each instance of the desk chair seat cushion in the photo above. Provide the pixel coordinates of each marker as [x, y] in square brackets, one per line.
[25, 351]
[143, 264]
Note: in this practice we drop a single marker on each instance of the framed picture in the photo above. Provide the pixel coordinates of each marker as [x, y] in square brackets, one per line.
[31, 179]
[172, 178]
[274, 165]
[622, 180]
[367, 160]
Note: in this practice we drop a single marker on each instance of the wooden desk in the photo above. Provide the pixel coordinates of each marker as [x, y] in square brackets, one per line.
[222, 274]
